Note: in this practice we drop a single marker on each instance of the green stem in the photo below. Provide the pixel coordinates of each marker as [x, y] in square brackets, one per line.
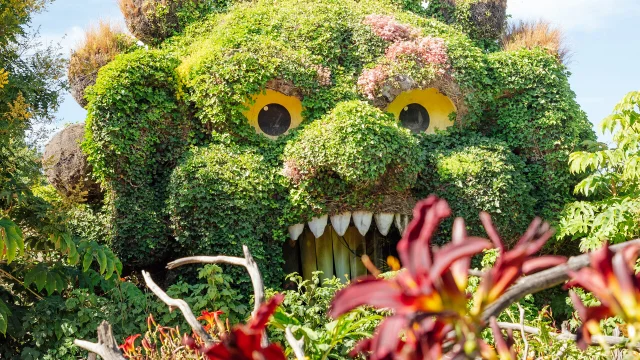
[8, 275]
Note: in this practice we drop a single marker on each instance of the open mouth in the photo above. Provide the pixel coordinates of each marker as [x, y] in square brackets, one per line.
[335, 244]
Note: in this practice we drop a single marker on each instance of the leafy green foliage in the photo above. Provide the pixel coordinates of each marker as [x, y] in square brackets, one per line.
[477, 174]
[135, 132]
[612, 185]
[325, 159]
[47, 329]
[305, 311]
[223, 197]
[11, 240]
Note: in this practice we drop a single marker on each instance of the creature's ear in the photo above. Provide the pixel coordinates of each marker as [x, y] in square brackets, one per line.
[152, 21]
[483, 20]
[100, 46]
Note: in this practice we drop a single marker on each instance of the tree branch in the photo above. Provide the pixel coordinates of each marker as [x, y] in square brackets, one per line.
[525, 355]
[106, 347]
[296, 345]
[543, 280]
[248, 262]
[180, 304]
[596, 340]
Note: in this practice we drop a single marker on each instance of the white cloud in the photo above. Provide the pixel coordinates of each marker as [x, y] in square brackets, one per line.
[574, 15]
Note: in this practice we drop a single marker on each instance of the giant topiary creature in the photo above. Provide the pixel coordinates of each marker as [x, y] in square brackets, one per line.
[248, 123]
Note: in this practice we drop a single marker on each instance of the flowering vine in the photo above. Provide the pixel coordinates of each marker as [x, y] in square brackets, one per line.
[410, 58]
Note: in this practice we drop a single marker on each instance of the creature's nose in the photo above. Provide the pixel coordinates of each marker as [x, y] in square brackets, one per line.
[356, 148]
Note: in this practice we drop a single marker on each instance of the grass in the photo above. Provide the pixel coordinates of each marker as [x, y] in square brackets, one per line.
[532, 34]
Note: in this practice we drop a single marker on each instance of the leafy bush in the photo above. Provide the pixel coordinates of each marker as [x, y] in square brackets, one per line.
[304, 310]
[612, 185]
[477, 174]
[324, 160]
[136, 131]
[222, 197]
[47, 329]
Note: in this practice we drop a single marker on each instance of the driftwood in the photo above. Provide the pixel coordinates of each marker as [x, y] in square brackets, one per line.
[180, 304]
[296, 345]
[106, 347]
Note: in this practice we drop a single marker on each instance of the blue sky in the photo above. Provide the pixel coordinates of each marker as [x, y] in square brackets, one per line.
[602, 35]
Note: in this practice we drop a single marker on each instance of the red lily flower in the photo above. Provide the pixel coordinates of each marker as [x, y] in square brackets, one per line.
[612, 279]
[429, 297]
[129, 346]
[433, 283]
[244, 342]
[512, 264]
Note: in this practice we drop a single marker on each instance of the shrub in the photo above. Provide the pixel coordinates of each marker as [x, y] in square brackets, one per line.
[101, 44]
[477, 174]
[137, 130]
[304, 309]
[47, 329]
[326, 159]
[529, 35]
[221, 197]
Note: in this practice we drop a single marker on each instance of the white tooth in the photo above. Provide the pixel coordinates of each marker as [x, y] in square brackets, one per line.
[317, 225]
[295, 231]
[341, 223]
[362, 220]
[384, 221]
[402, 221]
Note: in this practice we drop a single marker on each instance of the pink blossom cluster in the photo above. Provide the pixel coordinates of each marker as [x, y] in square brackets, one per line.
[389, 29]
[371, 79]
[406, 45]
[428, 50]
[324, 75]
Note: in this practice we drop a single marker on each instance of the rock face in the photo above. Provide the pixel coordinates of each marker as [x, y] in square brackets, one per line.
[66, 165]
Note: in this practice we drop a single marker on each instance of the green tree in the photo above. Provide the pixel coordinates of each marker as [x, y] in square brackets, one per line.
[36, 244]
[611, 209]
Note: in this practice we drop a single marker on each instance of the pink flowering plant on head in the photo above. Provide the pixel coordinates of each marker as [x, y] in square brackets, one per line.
[432, 313]
[410, 61]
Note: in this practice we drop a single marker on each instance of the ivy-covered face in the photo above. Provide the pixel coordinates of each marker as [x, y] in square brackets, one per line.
[308, 129]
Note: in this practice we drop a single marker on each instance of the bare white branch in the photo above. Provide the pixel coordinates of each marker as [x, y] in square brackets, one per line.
[596, 340]
[180, 304]
[525, 355]
[106, 347]
[296, 345]
[248, 262]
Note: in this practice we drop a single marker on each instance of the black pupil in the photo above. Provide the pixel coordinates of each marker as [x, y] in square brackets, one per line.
[274, 119]
[415, 118]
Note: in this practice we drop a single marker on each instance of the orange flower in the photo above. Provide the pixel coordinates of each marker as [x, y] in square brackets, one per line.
[212, 318]
[129, 346]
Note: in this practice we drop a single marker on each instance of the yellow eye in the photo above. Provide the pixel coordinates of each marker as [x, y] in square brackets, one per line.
[273, 113]
[423, 110]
